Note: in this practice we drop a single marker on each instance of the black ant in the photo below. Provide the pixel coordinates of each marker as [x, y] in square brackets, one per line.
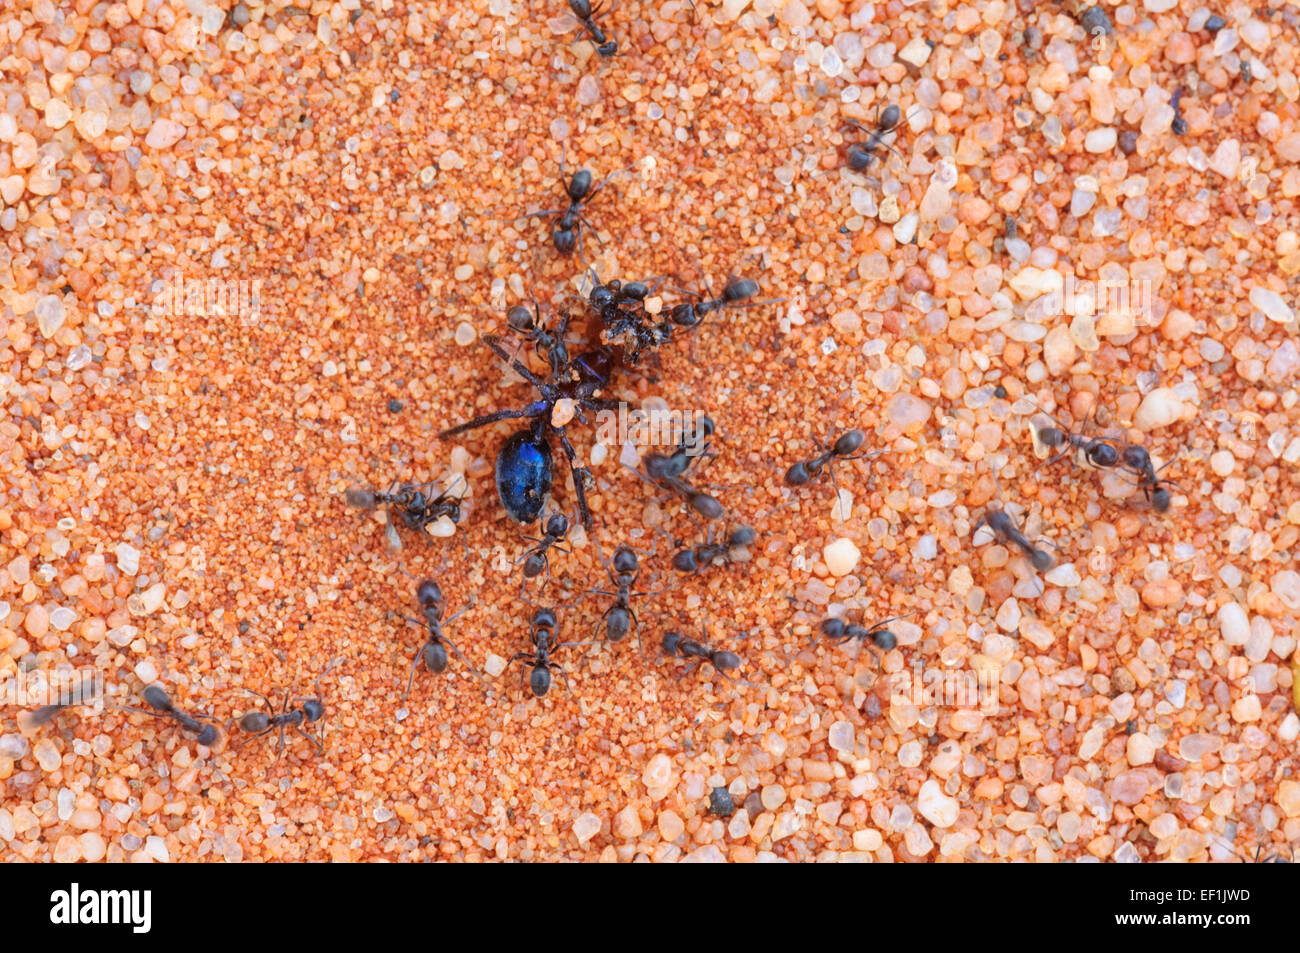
[543, 630]
[620, 617]
[735, 294]
[1137, 460]
[689, 447]
[708, 553]
[257, 723]
[586, 13]
[434, 653]
[676, 645]
[860, 155]
[161, 702]
[1100, 452]
[1004, 527]
[665, 470]
[414, 503]
[554, 533]
[549, 345]
[567, 233]
[845, 447]
[874, 637]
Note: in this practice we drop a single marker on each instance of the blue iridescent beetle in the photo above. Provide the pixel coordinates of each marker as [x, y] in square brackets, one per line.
[525, 467]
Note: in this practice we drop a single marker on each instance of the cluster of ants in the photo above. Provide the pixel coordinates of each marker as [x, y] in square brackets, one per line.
[625, 333]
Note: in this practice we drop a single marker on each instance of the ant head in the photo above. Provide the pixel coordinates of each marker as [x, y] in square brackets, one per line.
[617, 624]
[540, 680]
[156, 698]
[254, 722]
[581, 8]
[544, 619]
[738, 289]
[428, 594]
[520, 319]
[726, 661]
[601, 297]
[314, 708]
[798, 475]
[704, 427]
[557, 525]
[1161, 499]
[435, 657]
[670, 642]
[608, 48]
[849, 443]
[1041, 560]
[684, 561]
[565, 239]
[706, 506]
[580, 184]
[359, 498]
[625, 560]
[207, 736]
[743, 536]
[635, 291]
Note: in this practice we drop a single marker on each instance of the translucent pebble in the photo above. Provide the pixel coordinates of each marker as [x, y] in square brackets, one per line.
[841, 737]
[50, 314]
[831, 63]
[585, 827]
[128, 558]
[47, 756]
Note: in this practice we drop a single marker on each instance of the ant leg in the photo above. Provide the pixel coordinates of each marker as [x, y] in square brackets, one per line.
[482, 422]
[414, 665]
[690, 668]
[462, 657]
[320, 748]
[579, 477]
[560, 669]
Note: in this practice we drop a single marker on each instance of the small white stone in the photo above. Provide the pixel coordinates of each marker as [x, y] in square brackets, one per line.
[1233, 623]
[1272, 304]
[1160, 408]
[441, 528]
[494, 665]
[585, 827]
[1101, 140]
[128, 559]
[1064, 575]
[563, 412]
[935, 806]
[146, 672]
[841, 556]
[917, 52]
[1009, 615]
[164, 134]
